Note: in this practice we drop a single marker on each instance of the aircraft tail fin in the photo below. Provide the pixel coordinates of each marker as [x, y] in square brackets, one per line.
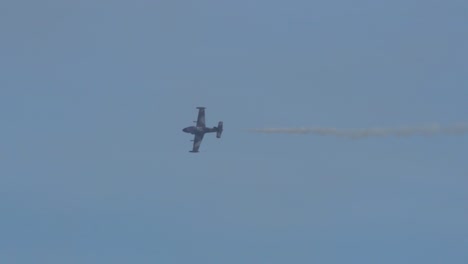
[219, 129]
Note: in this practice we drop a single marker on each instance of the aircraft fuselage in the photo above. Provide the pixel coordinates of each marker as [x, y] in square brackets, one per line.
[199, 130]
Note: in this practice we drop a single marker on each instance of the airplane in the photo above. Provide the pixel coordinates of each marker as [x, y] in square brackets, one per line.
[200, 129]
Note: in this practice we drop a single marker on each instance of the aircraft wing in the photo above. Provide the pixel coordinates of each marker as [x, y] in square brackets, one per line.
[197, 142]
[201, 117]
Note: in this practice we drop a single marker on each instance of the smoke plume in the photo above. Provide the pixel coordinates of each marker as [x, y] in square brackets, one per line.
[434, 129]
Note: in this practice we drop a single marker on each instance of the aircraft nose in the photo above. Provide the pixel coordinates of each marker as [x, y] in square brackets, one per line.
[184, 130]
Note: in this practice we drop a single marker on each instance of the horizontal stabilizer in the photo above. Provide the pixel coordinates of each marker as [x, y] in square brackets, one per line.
[219, 130]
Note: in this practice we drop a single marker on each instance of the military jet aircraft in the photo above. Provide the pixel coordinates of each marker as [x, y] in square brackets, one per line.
[200, 129]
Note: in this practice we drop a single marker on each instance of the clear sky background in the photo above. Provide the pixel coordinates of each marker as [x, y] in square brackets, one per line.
[94, 167]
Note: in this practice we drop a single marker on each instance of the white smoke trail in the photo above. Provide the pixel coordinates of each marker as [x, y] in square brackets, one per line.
[434, 129]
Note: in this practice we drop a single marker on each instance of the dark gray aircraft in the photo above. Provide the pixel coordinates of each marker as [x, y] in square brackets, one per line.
[200, 129]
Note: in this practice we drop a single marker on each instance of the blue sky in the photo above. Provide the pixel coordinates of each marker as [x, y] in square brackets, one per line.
[94, 167]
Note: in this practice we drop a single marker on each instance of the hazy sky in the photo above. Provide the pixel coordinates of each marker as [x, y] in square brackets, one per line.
[94, 167]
